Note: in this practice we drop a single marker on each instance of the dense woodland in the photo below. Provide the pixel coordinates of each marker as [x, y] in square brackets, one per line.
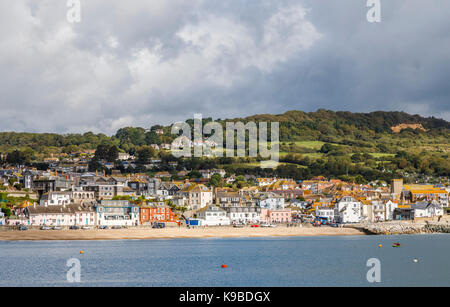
[356, 146]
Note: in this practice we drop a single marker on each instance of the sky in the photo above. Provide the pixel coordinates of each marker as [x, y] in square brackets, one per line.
[144, 62]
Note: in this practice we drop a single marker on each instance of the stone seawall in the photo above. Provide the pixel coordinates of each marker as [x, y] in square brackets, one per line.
[437, 228]
[403, 228]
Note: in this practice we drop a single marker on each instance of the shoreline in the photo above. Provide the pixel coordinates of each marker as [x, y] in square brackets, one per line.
[173, 233]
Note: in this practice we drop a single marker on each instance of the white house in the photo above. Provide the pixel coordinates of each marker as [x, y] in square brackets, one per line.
[117, 213]
[123, 156]
[210, 172]
[213, 216]
[378, 211]
[426, 209]
[61, 215]
[326, 213]
[2, 218]
[390, 206]
[243, 215]
[197, 196]
[262, 182]
[55, 198]
[348, 210]
[271, 201]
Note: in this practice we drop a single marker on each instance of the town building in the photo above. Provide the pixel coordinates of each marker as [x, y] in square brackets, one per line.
[348, 210]
[243, 215]
[325, 214]
[271, 201]
[61, 215]
[229, 199]
[276, 216]
[197, 196]
[426, 209]
[156, 213]
[55, 198]
[117, 213]
[212, 215]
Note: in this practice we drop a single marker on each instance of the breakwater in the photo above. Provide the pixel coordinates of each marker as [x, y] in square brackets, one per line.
[403, 228]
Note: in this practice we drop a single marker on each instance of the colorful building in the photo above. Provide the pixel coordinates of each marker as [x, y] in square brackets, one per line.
[156, 213]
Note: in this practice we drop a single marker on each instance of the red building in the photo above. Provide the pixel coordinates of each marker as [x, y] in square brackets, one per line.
[156, 213]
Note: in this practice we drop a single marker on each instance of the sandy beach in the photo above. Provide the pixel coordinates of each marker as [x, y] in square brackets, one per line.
[174, 233]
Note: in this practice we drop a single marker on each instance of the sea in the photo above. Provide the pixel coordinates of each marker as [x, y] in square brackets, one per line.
[420, 260]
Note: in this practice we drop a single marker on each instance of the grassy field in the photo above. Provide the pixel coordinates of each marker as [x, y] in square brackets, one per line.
[310, 144]
[381, 155]
[256, 164]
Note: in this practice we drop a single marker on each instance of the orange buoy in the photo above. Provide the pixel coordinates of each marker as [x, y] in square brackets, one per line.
[81, 252]
[379, 245]
[224, 266]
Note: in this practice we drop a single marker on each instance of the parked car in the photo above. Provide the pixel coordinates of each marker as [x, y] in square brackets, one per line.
[268, 225]
[56, 228]
[159, 225]
[45, 228]
[86, 227]
[116, 227]
[22, 227]
[238, 225]
[255, 225]
[103, 227]
[74, 227]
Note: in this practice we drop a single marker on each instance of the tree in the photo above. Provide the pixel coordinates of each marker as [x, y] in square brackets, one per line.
[113, 154]
[240, 182]
[144, 154]
[152, 137]
[357, 157]
[402, 163]
[216, 180]
[6, 210]
[12, 181]
[360, 179]
[131, 135]
[109, 153]
[94, 165]
[18, 157]
[326, 148]
[194, 174]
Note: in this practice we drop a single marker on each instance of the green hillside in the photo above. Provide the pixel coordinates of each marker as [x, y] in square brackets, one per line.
[314, 143]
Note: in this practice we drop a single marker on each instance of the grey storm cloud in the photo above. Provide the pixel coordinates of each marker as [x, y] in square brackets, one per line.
[140, 63]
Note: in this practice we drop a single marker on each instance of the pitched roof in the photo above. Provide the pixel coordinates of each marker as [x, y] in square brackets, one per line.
[67, 209]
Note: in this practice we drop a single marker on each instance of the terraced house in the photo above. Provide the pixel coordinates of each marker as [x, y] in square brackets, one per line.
[197, 196]
[117, 213]
[156, 213]
[61, 215]
[105, 188]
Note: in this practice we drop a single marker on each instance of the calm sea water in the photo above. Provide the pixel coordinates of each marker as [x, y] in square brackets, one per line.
[293, 261]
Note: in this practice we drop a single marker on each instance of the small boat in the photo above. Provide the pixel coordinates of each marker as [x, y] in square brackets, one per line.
[396, 244]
